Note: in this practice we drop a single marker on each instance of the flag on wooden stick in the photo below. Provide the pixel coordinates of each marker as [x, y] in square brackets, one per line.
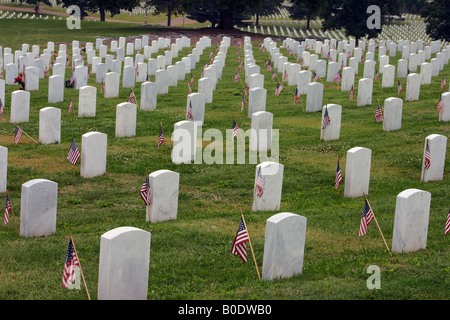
[366, 218]
[74, 153]
[69, 276]
[440, 105]
[17, 134]
[145, 192]
[239, 248]
[161, 137]
[7, 209]
[338, 179]
[379, 114]
[447, 223]
[427, 162]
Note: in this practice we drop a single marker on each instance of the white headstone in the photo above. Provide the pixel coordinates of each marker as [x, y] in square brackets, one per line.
[256, 100]
[314, 96]
[261, 131]
[184, 139]
[196, 101]
[93, 154]
[445, 114]
[271, 174]
[333, 129]
[365, 89]
[164, 185]
[128, 77]
[205, 87]
[38, 207]
[392, 114]
[148, 95]
[437, 148]
[412, 213]
[111, 86]
[3, 168]
[357, 172]
[49, 125]
[124, 264]
[284, 246]
[412, 87]
[87, 101]
[126, 113]
[55, 89]
[20, 106]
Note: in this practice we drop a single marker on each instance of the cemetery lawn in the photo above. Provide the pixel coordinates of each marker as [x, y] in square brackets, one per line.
[190, 257]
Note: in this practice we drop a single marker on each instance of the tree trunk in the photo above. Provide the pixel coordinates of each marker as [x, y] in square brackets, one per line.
[102, 14]
[257, 19]
[169, 16]
[36, 7]
[307, 22]
[226, 19]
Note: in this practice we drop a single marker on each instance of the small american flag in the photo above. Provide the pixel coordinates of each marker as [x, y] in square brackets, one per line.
[259, 184]
[74, 153]
[315, 77]
[338, 179]
[443, 83]
[17, 134]
[2, 108]
[440, 105]
[337, 78]
[235, 129]
[161, 137]
[266, 62]
[366, 218]
[352, 93]
[70, 104]
[278, 89]
[190, 115]
[285, 75]
[236, 77]
[269, 67]
[239, 248]
[399, 87]
[69, 266]
[102, 86]
[296, 96]
[427, 162]
[377, 76]
[72, 78]
[192, 79]
[132, 97]
[146, 193]
[190, 89]
[273, 75]
[7, 208]
[447, 223]
[243, 102]
[326, 119]
[379, 114]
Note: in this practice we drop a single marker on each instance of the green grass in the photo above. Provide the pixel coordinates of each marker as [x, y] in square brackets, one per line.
[190, 257]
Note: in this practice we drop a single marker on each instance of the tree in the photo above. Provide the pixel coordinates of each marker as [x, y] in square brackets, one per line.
[301, 9]
[37, 4]
[352, 16]
[102, 6]
[263, 8]
[437, 19]
[170, 7]
[203, 11]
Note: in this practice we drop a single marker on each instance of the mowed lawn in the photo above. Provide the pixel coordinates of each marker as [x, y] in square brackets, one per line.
[190, 257]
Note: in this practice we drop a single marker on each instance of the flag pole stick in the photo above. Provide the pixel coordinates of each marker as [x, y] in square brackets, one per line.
[148, 211]
[378, 225]
[81, 271]
[12, 211]
[26, 134]
[165, 151]
[251, 247]
[339, 185]
[239, 77]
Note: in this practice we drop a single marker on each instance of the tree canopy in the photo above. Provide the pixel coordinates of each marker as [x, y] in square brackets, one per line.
[437, 19]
